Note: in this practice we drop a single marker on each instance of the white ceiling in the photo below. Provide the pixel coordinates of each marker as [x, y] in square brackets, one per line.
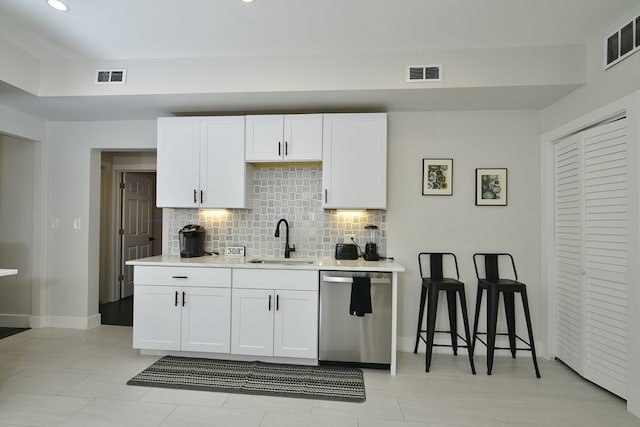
[170, 29]
[136, 29]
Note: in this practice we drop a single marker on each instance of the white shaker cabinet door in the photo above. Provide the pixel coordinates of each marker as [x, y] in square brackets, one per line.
[264, 138]
[206, 319]
[296, 324]
[156, 317]
[178, 162]
[302, 137]
[224, 178]
[354, 161]
[252, 322]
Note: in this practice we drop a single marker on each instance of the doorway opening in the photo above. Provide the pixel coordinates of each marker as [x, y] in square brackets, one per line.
[130, 228]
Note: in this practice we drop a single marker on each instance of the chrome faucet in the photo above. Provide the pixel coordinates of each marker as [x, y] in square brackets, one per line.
[287, 249]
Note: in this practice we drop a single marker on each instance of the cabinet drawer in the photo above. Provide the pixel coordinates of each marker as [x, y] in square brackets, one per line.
[302, 280]
[182, 276]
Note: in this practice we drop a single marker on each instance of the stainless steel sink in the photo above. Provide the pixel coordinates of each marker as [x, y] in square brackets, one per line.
[282, 261]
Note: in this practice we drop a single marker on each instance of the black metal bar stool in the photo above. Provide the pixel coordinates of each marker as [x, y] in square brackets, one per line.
[508, 288]
[431, 287]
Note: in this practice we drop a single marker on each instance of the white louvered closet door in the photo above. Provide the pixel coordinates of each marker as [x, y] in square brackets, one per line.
[591, 247]
[568, 241]
[605, 255]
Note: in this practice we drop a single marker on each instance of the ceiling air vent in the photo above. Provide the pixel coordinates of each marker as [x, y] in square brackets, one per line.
[622, 43]
[424, 73]
[118, 76]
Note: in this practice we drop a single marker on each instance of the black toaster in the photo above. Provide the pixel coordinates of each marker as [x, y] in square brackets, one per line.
[346, 251]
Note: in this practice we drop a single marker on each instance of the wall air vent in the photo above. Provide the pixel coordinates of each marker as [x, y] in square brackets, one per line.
[424, 73]
[623, 43]
[118, 76]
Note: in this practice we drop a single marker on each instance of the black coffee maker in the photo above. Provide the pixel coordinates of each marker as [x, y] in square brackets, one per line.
[191, 239]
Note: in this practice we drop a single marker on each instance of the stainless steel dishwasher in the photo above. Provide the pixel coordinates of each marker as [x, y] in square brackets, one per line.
[347, 339]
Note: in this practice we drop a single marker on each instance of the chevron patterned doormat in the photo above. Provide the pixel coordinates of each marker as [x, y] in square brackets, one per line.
[227, 376]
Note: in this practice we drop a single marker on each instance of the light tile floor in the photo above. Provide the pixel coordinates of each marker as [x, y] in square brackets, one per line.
[63, 377]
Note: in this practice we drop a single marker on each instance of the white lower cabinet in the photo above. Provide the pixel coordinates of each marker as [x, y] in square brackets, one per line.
[275, 313]
[182, 318]
[187, 318]
[272, 313]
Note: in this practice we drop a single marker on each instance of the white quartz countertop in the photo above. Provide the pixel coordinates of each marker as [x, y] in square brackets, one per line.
[280, 263]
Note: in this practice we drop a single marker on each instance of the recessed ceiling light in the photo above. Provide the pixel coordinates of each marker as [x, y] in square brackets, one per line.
[247, 1]
[58, 5]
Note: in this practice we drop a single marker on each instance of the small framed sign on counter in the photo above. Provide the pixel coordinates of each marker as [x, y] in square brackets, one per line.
[437, 177]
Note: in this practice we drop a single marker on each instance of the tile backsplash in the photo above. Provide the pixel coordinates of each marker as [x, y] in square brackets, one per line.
[293, 193]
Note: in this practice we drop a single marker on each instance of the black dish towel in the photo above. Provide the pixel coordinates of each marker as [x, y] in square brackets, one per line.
[360, 296]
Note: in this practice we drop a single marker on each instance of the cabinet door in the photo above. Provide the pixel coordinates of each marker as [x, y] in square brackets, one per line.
[296, 324]
[354, 161]
[206, 319]
[156, 317]
[223, 172]
[178, 162]
[303, 137]
[264, 138]
[252, 322]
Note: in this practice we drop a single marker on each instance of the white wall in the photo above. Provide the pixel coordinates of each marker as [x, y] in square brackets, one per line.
[16, 229]
[507, 67]
[603, 86]
[74, 199]
[415, 223]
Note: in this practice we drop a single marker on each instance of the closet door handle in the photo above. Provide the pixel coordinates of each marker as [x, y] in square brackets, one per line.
[179, 277]
[286, 148]
[175, 304]
[201, 196]
[279, 148]
[277, 302]
[269, 302]
[195, 196]
[183, 298]
[325, 195]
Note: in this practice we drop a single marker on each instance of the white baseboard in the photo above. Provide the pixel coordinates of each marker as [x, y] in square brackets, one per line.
[36, 322]
[14, 320]
[72, 322]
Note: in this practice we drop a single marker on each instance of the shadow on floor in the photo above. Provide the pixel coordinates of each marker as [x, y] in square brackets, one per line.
[117, 312]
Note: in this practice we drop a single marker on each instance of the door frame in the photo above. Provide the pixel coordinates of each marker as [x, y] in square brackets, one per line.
[628, 106]
[115, 246]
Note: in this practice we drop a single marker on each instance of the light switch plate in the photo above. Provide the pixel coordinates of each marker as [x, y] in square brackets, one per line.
[234, 251]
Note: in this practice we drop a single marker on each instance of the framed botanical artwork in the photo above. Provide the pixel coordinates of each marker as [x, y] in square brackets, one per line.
[491, 187]
[437, 177]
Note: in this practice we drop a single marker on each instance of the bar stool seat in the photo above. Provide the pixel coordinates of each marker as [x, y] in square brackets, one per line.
[431, 287]
[496, 286]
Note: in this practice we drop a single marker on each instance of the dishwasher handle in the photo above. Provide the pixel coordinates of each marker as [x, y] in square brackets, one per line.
[349, 280]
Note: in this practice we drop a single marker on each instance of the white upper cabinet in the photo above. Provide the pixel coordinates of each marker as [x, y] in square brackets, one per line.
[178, 167]
[201, 163]
[354, 161]
[284, 138]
